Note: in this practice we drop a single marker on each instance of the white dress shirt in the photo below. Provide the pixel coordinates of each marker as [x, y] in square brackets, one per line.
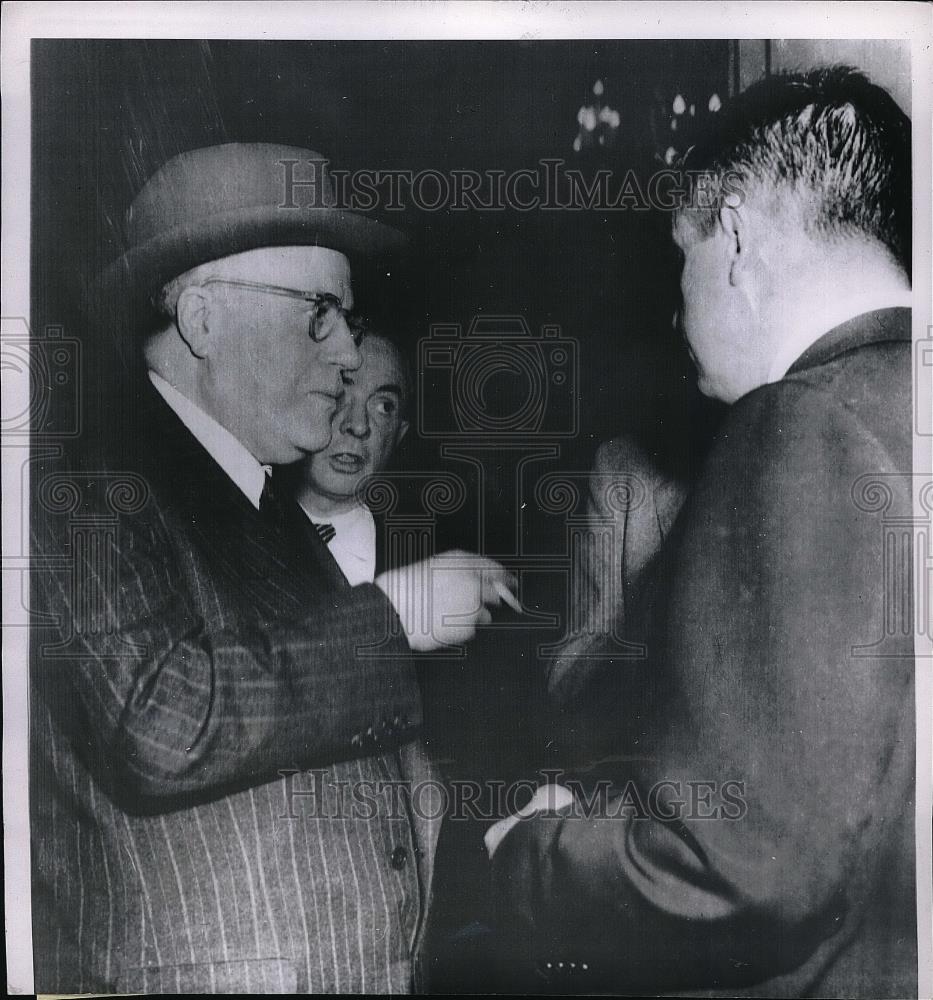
[232, 456]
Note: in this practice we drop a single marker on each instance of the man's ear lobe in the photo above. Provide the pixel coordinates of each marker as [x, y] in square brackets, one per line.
[192, 317]
[734, 232]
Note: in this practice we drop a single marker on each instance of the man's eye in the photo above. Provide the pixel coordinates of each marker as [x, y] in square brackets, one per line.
[386, 407]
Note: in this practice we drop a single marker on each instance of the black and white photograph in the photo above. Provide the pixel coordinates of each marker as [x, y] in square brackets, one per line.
[467, 498]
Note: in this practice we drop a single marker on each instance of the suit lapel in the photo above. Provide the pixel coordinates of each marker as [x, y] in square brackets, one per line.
[298, 526]
[265, 557]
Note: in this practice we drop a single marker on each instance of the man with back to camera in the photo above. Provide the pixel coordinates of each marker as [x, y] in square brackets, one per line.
[758, 835]
[204, 713]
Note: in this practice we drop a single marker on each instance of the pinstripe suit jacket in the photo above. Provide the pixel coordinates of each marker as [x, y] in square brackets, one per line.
[222, 730]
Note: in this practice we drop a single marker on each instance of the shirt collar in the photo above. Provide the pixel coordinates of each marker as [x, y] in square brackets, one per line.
[345, 520]
[354, 543]
[230, 454]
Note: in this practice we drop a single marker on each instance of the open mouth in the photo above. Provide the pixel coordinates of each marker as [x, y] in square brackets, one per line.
[346, 462]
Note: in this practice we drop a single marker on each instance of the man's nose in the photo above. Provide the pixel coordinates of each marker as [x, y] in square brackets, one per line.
[340, 348]
[354, 419]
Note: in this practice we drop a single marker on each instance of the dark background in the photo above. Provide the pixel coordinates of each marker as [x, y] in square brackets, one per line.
[107, 114]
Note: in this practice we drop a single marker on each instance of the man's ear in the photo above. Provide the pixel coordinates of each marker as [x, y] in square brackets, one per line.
[192, 317]
[734, 230]
[401, 432]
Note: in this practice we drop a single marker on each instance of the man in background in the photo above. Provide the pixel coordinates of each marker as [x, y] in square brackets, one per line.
[368, 425]
[756, 831]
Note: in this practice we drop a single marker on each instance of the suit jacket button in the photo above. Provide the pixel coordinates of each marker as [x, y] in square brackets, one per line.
[399, 858]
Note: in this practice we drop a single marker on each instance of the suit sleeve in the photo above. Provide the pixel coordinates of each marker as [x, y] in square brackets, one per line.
[171, 707]
[771, 755]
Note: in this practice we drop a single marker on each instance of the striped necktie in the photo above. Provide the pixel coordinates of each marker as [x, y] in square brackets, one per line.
[326, 532]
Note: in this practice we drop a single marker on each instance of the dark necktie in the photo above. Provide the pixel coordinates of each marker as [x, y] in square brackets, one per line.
[269, 505]
[283, 511]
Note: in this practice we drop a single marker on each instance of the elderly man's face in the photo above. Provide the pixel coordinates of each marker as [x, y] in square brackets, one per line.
[266, 380]
[366, 428]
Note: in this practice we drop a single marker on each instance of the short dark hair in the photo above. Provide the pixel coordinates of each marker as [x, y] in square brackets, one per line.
[838, 140]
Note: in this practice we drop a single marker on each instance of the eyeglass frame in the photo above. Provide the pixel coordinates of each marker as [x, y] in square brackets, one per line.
[317, 299]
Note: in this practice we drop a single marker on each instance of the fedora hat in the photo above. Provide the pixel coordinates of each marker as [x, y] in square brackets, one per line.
[212, 202]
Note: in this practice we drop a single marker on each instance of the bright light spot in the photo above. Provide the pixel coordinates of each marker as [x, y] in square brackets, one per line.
[714, 103]
[680, 105]
[670, 155]
[610, 117]
[598, 88]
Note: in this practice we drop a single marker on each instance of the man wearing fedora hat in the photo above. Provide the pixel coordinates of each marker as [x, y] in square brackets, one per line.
[222, 725]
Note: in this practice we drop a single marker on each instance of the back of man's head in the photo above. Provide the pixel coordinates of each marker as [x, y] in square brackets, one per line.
[828, 144]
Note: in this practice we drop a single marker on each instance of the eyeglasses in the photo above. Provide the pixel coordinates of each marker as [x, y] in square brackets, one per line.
[326, 309]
